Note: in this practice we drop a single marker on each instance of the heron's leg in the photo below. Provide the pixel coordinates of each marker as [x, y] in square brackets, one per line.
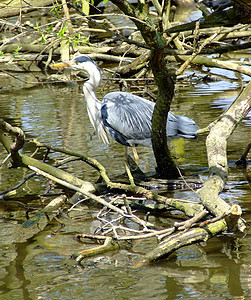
[136, 157]
[128, 171]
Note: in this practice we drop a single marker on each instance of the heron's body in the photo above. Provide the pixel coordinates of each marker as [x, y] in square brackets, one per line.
[125, 117]
[128, 119]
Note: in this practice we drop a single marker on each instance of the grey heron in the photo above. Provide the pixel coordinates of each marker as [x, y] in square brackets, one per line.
[125, 117]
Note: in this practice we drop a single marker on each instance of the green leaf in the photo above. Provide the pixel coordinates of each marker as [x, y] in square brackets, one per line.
[43, 39]
[17, 50]
[62, 31]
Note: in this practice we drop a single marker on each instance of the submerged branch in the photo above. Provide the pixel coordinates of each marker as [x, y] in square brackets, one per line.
[55, 204]
[243, 159]
[109, 245]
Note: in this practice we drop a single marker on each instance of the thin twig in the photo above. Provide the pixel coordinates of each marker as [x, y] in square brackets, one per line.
[196, 52]
[190, 222]
[116, 34]
[6, 158]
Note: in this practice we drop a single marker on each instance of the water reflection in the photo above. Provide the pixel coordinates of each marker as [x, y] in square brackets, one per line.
[211, 272]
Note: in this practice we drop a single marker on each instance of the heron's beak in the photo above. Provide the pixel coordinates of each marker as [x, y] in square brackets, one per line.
[61, 65]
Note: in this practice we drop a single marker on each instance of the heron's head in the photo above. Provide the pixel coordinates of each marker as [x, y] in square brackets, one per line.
[79, 63]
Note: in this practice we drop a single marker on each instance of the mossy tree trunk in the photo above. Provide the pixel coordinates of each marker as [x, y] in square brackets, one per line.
[165, 164]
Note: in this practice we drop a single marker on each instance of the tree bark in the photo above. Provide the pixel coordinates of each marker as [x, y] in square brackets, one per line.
[165, 165]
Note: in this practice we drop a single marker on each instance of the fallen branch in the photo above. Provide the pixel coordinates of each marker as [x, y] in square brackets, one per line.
[86, 188]
[202, 233]
[11, 191]
[196, 52]
[216, 143]
[16, 132]
[14, 8]
[12, 147]
[76, 188]
[181, 239]
[188, 223]
[215, 19]
[24, 160]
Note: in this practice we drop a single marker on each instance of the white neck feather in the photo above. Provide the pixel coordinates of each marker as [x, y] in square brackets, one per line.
[93, 104]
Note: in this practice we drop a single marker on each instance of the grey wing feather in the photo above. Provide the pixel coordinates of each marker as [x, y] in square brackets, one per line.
[128, 114]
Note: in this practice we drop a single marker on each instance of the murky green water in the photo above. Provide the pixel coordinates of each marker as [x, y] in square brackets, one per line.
[35, 264]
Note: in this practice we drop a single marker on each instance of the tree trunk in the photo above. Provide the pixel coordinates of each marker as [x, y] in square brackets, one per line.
[165, 165]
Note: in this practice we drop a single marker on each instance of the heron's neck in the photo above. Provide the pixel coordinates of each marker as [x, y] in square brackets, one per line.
[89, 90]
[94, 80]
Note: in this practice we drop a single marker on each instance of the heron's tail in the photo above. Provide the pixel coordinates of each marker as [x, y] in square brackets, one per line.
[181, 126]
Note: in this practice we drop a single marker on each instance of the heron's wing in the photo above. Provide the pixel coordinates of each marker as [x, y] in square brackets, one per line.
[127, 114]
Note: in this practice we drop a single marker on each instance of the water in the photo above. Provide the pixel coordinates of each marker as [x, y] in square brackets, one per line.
[35, 264]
